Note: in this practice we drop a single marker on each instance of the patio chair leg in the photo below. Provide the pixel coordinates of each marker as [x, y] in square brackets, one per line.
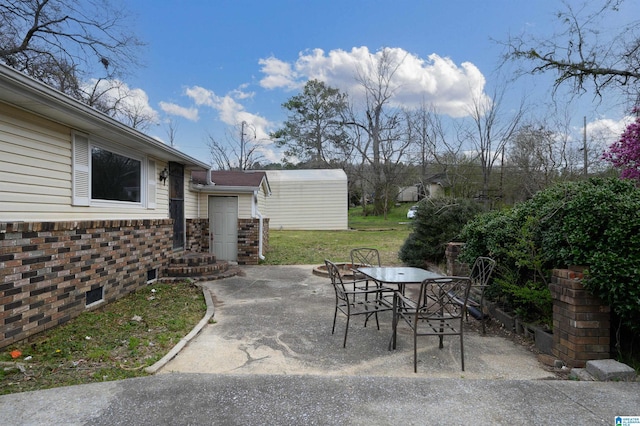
[415, 353]
[335, 314]
[346, 330]
[484, 317]
[462, 351]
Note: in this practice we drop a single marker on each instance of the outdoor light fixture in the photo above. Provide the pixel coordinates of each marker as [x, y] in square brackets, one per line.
[164, 175]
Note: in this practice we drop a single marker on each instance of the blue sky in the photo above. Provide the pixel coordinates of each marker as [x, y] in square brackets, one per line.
[211, 64]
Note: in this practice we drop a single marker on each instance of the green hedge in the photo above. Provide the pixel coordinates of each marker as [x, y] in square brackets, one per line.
[595, 223]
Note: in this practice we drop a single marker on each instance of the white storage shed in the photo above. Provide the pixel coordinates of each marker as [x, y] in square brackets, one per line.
[313, 199]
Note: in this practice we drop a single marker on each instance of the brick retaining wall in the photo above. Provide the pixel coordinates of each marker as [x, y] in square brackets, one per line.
[454, 266]
[46, 268]
[581, 321]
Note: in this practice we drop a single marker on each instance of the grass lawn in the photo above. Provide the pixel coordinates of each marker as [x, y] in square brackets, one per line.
[313, 247]
[116, 341]
[119, 340]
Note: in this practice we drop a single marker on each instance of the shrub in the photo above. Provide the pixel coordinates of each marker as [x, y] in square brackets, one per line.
[595, 223]
[437, 222]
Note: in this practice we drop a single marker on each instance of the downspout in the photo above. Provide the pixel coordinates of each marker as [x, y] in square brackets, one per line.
[260, 227]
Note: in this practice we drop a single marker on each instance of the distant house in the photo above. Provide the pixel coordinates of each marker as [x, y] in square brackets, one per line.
[432, 187]
[407, 194]
[90, 209]
[313, 199]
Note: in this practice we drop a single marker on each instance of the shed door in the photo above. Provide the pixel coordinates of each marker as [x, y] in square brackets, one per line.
[223, 220]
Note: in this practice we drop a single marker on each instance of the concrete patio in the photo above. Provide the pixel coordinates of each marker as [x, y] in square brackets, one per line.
[269, 358]
[277, 320]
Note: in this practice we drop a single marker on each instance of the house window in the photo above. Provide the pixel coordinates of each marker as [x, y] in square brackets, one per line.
[107, 176]
[114, 177]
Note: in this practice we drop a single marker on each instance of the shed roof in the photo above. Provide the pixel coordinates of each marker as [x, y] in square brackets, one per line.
[307, 175]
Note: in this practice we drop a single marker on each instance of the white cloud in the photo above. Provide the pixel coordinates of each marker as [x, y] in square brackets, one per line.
[230, 111]
[133, 104]
[279, 74]
[607, 130]
[173, 109]
[201, 96]
[437, 80]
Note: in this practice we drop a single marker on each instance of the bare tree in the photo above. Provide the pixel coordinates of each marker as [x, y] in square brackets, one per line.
[241, 152]
[64, 42]
[381, 140]
[581, 54]
[172, 130]
[536, 155]
[490, 131]
[63, 35]
[438, 153]
[115, 98]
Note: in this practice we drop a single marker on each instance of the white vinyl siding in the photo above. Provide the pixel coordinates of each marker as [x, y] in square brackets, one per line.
[307, 200]
[152, 183]
[244, 205]
[36, 174]
[195, 203]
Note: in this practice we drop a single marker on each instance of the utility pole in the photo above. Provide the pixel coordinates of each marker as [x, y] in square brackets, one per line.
[584, 147]
[241, 162]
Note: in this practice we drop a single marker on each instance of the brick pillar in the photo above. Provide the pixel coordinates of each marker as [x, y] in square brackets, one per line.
[455, 267]
[581, 321]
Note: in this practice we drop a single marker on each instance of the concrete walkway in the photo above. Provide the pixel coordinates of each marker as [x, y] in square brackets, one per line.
[270, 358]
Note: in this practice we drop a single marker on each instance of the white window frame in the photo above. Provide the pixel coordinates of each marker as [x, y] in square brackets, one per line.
[81, 175]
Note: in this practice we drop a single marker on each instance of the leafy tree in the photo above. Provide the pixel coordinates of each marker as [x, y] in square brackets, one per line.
[625, 152]
[313, 131]
[437, 222]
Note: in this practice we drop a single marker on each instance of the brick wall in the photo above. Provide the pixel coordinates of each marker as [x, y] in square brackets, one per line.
[248, 240]
[581, 322]
[197, 235]
[46, 268]
[454, 266]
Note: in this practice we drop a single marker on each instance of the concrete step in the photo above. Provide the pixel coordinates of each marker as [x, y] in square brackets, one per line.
[606, 370]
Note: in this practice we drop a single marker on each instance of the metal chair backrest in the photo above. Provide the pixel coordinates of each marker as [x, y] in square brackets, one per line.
[336, 279]
[481, 271]
[364, 256]
[443, 298]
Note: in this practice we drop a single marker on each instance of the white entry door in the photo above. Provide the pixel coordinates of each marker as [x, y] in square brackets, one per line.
[223, 224]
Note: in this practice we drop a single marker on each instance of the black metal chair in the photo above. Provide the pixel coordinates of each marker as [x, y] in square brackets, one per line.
[356, 301]
[363, 256]
[480, 274]
[439, 311]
